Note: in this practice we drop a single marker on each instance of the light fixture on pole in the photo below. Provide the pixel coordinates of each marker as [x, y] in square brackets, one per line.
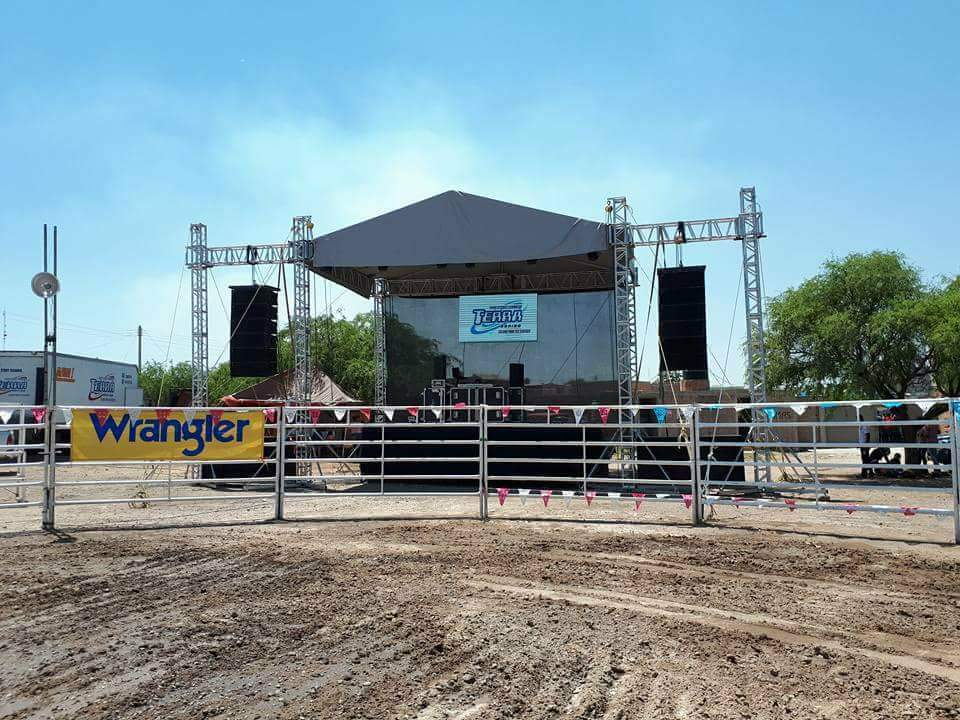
[45, 285]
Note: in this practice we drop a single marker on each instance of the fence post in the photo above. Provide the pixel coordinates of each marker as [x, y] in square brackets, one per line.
[279, 456]
[955, 463]
[482, 447]
[49, 470]
[695, 487]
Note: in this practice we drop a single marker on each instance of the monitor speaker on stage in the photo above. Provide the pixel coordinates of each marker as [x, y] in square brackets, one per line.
[439, 366]
[683, 320]
[253, 330]
[516, 375]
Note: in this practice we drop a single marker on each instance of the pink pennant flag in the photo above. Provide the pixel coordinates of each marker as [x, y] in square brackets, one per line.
[604, 414]
[638, 499]
[851, 509]
[163, 414]
[40, 413]
[502, 494]
[687, 501]
[270, 414]
[791, 504]
[216, 415]
[909, 511]
[590, 495]
[545, 496]
[736, 501]
[103, 414]
[554, 409]
[364, 413]
[460, 405]
[505, 412]
[314, 415]
[413, 410]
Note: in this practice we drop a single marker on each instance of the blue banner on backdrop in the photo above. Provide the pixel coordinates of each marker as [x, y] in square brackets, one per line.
[498, 318]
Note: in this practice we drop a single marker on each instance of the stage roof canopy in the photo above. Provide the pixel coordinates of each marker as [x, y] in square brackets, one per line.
[455, 243]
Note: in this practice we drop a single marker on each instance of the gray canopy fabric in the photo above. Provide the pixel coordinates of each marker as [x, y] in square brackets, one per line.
[456, 227]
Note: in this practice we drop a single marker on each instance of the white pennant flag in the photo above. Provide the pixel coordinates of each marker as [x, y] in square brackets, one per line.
[189, 414]
[339, 413]
[289, 415]
[568, 494]
[663, 495]
[859, 405]
[388, 412]
[437, 412]
[5, 415]
[68, 416]
[924, 405]
[615, 496]
[524, 494]
[134, 413]
[799, 409]
[578, 414]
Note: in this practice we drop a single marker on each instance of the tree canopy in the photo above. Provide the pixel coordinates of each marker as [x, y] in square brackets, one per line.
[865, 326]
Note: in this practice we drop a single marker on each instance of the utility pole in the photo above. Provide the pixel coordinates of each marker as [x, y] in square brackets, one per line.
[139, 349]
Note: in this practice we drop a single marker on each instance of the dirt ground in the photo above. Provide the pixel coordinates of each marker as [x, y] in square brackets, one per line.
[206, 610]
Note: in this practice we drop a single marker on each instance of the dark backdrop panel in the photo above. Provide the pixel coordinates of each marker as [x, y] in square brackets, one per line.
[571, 362]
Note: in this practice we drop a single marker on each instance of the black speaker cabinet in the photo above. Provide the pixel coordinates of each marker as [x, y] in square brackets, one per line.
[683, 320]
[253, 330]
[516, 375]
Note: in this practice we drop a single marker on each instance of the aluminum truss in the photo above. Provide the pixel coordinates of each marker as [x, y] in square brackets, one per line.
[301, 249]
[380, 340]
[625, 316]
[751, 230]
[200, 259]
[198, 262]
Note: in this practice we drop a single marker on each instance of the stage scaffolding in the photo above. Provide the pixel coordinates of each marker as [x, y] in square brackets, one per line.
[623, 236]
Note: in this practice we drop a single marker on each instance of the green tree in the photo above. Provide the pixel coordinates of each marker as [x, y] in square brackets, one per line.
[943, 333]
[858, 329]
[158, 379]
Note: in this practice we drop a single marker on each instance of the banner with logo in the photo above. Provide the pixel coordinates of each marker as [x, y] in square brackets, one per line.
[497, 318]
[105, 434]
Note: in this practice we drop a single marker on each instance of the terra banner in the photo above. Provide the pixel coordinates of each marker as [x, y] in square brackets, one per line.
[116, 434]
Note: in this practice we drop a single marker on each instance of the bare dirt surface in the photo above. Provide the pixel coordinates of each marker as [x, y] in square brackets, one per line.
[761, 615]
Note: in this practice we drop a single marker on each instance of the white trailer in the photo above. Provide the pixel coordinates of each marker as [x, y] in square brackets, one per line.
[80, 380]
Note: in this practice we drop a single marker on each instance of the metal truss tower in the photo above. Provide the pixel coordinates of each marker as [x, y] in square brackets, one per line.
[198, 263]
[625, 317]
[302, 252]
[751, 230]
[380, 340]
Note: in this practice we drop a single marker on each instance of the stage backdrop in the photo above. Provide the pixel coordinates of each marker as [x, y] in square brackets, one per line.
[570, 362]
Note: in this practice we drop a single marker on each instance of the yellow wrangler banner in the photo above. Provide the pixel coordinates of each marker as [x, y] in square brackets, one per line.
[135, 434]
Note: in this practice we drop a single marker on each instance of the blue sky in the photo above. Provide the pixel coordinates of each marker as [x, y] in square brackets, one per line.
[123, 123]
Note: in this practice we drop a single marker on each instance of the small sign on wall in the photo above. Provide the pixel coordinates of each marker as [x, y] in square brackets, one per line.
[498, 318]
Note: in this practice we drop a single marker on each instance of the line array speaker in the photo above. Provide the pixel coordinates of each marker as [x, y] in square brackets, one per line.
[683, 320]
[253, 330]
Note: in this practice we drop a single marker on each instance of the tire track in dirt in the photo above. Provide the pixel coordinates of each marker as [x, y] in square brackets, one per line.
[754, 624]
[704, 571]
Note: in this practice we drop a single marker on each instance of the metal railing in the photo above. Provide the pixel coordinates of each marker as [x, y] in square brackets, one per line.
[697, 455]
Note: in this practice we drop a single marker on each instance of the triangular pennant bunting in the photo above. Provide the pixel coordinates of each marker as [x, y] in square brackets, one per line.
[638, 500]
[737, 501]
[791, 504]
[770, 412]
[851, 509]
[68, 415]
[189, 414]
[217, 415]
[412, 411]
[505, 412]
[39, 414]
[799, 409]
[460, 405]
[437, 412]
[892, 405]
[270, 414]
[134, 413]
[502, 494]
[553, 409]
[102, 414]
[578, 414]
[604, 414]
[568, 495]
[545, 496]
[909, 511]
[364, 413]
[314, 415]
[339, 413]
[661, 414]
[924, 405]
[290, 415]
[524, 494]
[389, 413]
[687, 500]
[589, 495]
[615, 496]
[163, 414]
[5, 415]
